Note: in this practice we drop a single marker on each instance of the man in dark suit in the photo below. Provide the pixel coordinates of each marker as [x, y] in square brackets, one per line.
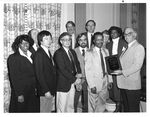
[68, 74]
[80, 51]
[90, 28]
[45, 72]
[116, 46]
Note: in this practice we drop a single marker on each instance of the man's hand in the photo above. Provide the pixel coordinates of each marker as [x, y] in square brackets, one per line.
[78, 87]
[48, 95]
[21, 98]
[93, 90]
[78, 81]
[78, 75]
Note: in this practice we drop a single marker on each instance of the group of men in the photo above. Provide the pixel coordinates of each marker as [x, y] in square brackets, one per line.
[77, 72]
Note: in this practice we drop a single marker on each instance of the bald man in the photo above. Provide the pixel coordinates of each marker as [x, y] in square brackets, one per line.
[129, 79]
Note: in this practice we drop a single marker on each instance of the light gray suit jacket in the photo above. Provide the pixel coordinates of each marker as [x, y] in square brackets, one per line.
[93, 70]
[131, 61]
[81, 61]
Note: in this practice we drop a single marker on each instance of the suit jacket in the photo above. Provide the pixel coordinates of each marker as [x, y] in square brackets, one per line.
[45, 72]
[121, 45]
[131, 61]
[21, 74]
[65, 74]
[81, 60]
[93, 69]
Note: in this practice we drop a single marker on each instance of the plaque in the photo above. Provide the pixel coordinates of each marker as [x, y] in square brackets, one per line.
[112, 63]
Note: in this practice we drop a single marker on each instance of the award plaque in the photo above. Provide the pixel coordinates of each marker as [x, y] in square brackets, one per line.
[112, 63]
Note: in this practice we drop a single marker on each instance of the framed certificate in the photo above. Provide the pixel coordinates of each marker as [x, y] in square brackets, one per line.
[112, 63]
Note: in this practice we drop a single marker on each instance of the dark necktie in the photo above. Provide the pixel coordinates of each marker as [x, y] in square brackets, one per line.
[91, 40]
[51, 57]
[83, 52]
[72, 62]
[102, 63]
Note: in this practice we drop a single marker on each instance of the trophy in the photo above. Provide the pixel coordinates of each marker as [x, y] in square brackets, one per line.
[113, 63]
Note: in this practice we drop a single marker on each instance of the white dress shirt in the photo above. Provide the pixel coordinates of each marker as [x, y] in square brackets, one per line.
[73, 41]
[85, 49]
[89, 38]
[115, 46]
[130, 44]
[46, 50]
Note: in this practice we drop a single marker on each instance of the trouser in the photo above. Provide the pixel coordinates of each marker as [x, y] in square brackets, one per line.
[115, 95]
[131, 100]
[84, 98]
[65, 100]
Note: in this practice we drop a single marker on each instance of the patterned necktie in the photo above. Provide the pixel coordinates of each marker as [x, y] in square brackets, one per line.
[102, 62]
[51, 57]
[72, 62]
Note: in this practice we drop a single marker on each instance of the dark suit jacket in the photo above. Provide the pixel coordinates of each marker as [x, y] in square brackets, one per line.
[23, 82]
[65, 75]
[21, 73]
[45, 72]
[122, 43]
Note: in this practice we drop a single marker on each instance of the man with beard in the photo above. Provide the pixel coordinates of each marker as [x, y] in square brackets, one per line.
[80, 51]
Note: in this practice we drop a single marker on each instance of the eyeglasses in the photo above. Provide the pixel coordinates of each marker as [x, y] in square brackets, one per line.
[66, 40]
[127, 34]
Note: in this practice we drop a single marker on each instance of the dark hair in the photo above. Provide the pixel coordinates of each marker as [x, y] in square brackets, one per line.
[41, 35]
[90, 21]
[95, 34]
[70, 22]
[118, 29]
[78, 37]
[18, 40]
[61, 36]
[106, 32]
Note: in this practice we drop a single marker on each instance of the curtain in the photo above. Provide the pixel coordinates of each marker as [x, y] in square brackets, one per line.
[19, 18]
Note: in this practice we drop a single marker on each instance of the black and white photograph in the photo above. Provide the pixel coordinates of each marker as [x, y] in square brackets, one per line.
[74, 57]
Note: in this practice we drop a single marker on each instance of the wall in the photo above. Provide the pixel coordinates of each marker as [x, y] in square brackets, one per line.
[105, 15]
[67, 14]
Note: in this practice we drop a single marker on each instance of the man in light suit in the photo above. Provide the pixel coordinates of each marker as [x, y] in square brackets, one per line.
[116, 46]
[90, 28]
[80, 51]
[96, 75]
[68, 74]
[129, 79]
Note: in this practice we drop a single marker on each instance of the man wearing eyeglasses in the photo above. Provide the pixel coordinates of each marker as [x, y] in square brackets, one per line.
[129, 79]
[68, 74]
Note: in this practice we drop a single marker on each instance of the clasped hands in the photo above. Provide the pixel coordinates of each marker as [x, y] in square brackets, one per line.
[78, 82]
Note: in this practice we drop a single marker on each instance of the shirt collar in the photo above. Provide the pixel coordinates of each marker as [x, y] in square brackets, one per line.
[115, 40]
[130, 44]
[28, 53]
[45, 49]
[66, 49]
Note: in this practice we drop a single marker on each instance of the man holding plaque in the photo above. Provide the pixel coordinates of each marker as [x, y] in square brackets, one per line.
[115, 47]
[129, 79]
[96, 75]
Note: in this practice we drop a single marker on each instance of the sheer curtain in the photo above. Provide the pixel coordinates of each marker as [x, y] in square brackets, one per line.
[19, 18]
